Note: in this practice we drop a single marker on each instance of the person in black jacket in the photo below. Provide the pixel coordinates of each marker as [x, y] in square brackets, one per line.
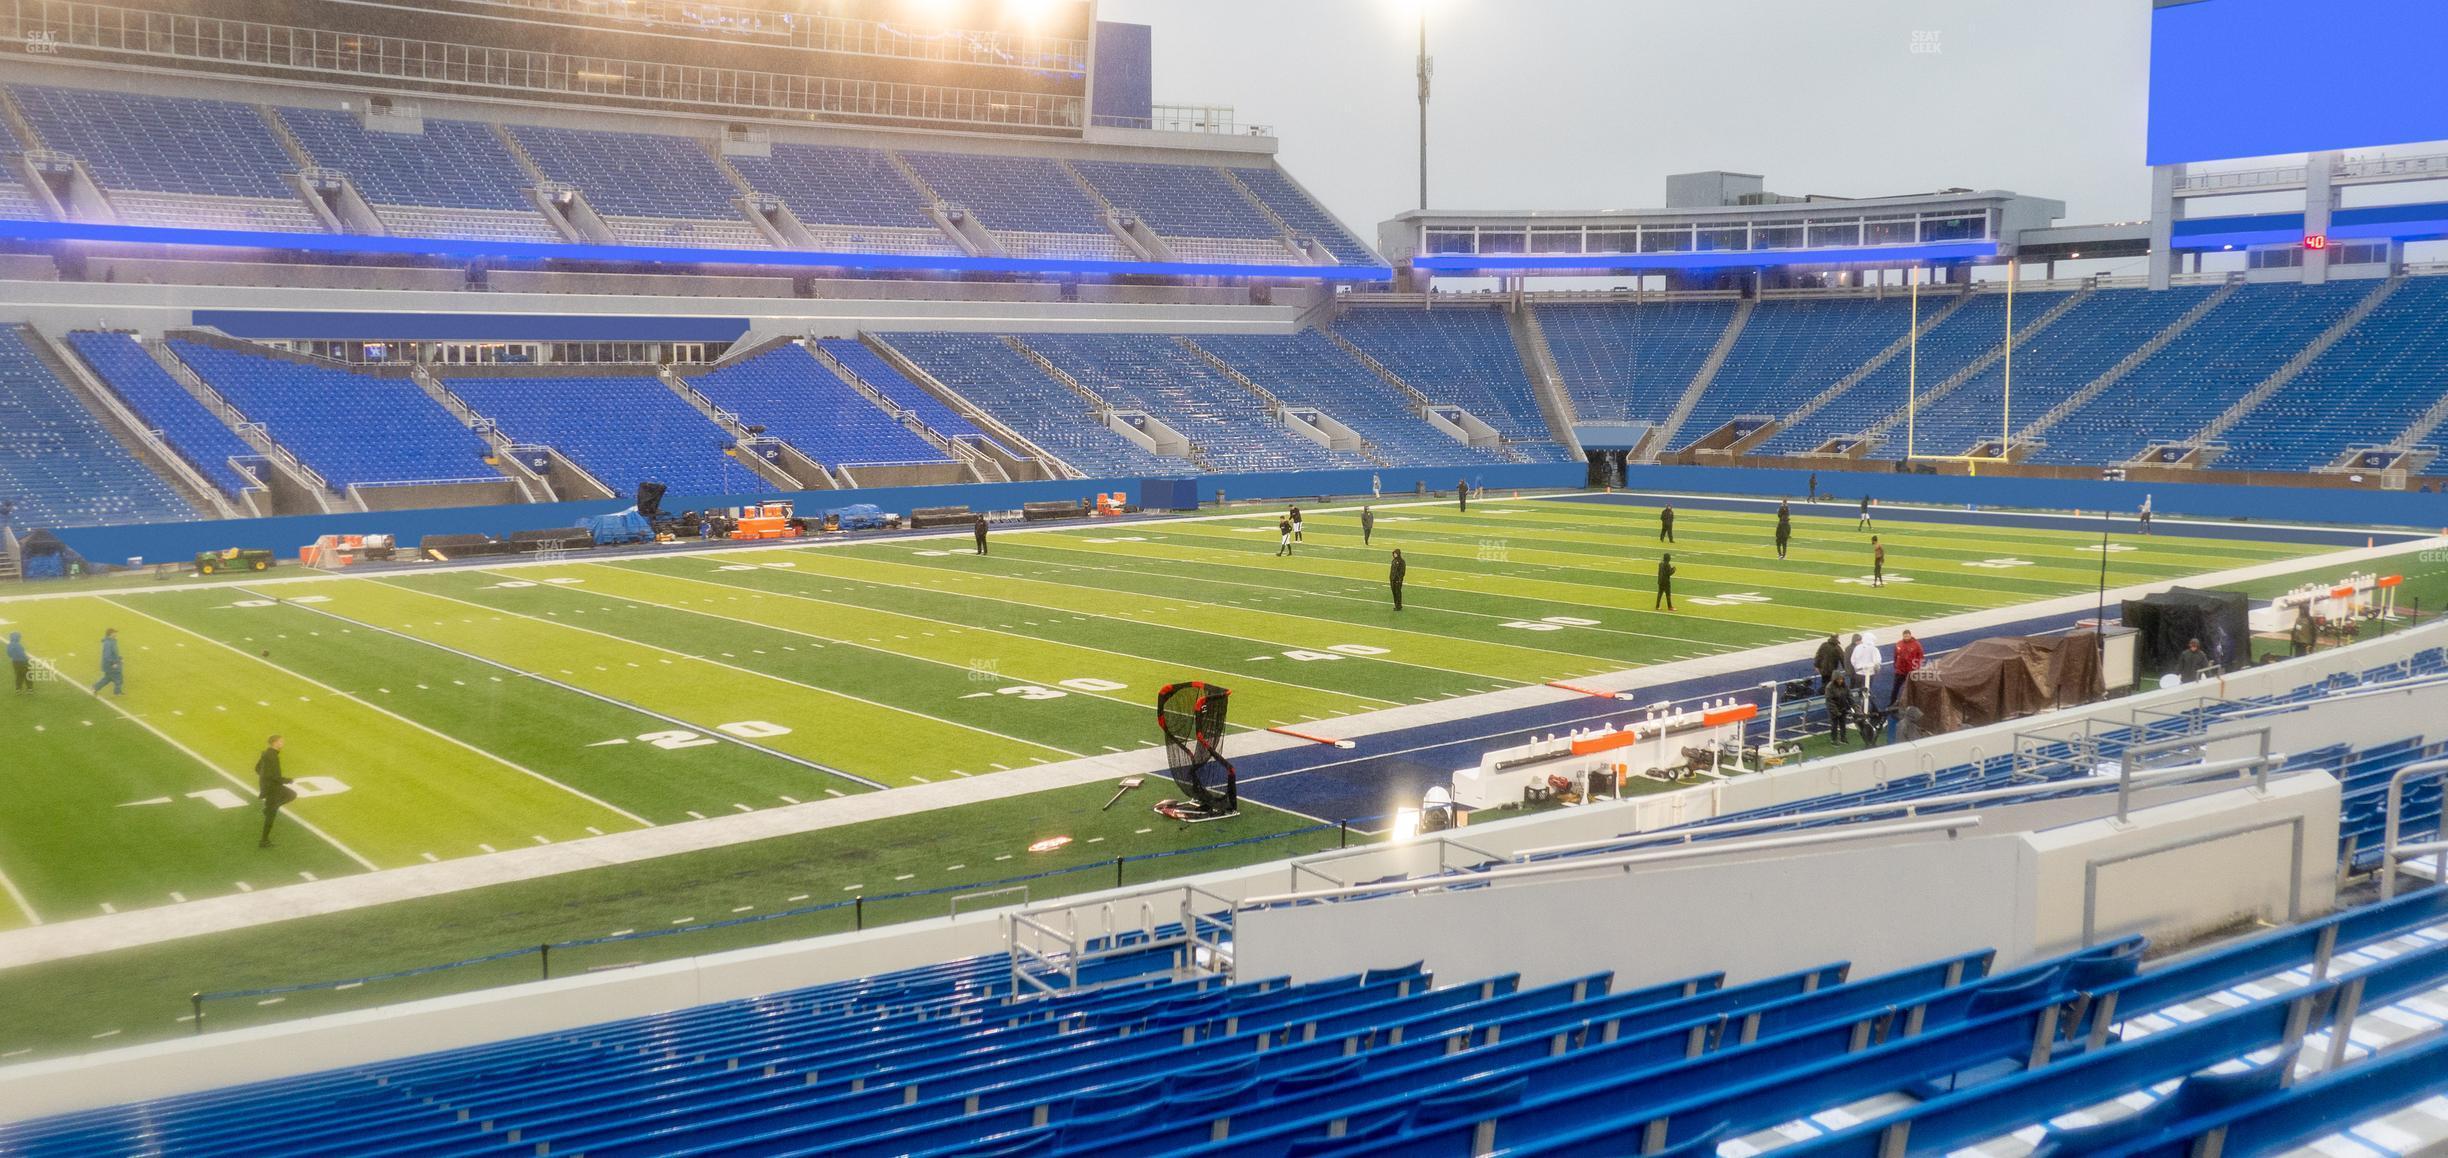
[977, 530]
[1394, 577]
[1830, 663]
[1839, 709]
[2193, 662]
[1665, 592]
[1784, 531]
[272, 787]
[1462, 494]
[1368, 523]
[1666, 524]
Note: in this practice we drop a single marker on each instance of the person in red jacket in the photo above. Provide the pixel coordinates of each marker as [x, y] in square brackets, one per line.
[1907, 661]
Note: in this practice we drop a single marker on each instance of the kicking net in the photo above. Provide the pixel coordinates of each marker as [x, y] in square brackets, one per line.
[1192, 716]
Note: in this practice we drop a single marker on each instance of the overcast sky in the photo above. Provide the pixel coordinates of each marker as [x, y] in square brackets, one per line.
[1589, 104]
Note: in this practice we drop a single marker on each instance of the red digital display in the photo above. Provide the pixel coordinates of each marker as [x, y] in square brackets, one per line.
[2316, 241]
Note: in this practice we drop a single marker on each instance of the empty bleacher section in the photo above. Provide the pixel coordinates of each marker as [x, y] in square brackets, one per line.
[161, 403]
[1229, 427]
[1002, 381]
[896, 387]
[1623, 362]
[1947, 346]
[650, 189]
[173, 161]
[800, 401]
[622, 429]
[1789, 352]
[2184, 386]
[853, 200]
[348, 427]
[1030, 204]
[2300, 1036]
[457, 178]
[2381, 376]
[15, 199]
[1463, 355]
[451, 179]
[1309, 369]
[1308, 220]
[1195, 208]
[2091, 338]
[58, 465]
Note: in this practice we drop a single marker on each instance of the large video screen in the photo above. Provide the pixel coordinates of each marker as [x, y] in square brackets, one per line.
[2248, 78]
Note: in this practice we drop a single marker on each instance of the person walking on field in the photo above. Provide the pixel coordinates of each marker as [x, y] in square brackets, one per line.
[1814, 486]
[271, 787]
[1878, 563]
[1462, 494]
[2146, 513]
[20, 664]
[1784, 531]
[1665, 591]
[1865, 514]
[1368, 523]
[1296, 523]
[1394, 577]
[1376, 486]
[1908, 657]
[1283, 529]
[1666, 524]
[977, 530]
[114, 672]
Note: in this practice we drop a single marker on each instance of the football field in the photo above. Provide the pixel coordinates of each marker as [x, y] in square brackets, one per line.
[459, 712]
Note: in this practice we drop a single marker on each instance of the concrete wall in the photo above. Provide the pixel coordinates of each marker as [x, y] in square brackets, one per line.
[168, 541]
[1873, 905]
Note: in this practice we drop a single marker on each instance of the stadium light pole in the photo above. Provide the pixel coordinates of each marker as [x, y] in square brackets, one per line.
[1426, 69]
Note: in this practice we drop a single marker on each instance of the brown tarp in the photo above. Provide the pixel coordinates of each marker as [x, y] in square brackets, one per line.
[1999, 679]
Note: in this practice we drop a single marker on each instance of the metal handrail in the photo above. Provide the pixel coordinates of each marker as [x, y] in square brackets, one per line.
[1950, 825]
[2155, 779]
[2390, 851]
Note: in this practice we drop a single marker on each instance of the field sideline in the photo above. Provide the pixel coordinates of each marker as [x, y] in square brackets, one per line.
[458, 712]
[464, 711]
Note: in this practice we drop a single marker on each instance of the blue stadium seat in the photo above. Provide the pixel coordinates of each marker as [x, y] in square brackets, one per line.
[2381, 376]
[454, 179]
[58, 465]
[225, 172]
[349, 427]
[651, 189]
[912, 398]
[623, 429]
[1462, 355]
[1308, 369]
[1000, 380]
[1029, 203]
[176, 415]
[1227, 424]
[1307, 219]
[852, 199]
[2092, 337]
[1631, 362]
[1944, 348]
[798, 400]
[2177, 391]
[1789, 352]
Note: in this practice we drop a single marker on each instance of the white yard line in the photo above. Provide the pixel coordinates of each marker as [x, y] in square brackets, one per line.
[215, 769]
[419, 725]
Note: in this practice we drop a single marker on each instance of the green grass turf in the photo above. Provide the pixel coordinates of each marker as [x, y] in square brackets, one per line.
[477, 710]
[140, 994]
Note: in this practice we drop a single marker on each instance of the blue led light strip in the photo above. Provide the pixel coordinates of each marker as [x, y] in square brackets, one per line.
[469, 250]
[1704, 259]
